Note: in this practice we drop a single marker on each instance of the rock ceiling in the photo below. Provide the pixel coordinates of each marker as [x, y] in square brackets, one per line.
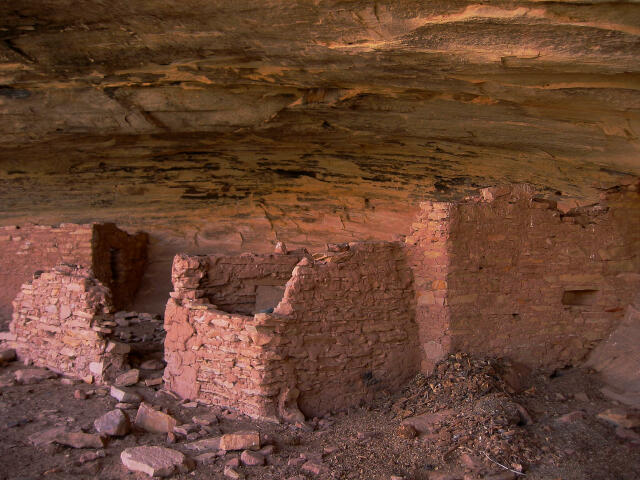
[229, 124]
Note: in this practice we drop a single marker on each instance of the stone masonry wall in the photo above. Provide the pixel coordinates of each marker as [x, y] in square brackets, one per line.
[427, 249]
[349, 329]
[27, 248]
[62, 321]
[343, 331]
[116, 257]
[119, 260]
[235, 283]
[537, 280]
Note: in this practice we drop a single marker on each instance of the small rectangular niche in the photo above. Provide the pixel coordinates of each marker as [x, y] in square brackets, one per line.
[579, 297]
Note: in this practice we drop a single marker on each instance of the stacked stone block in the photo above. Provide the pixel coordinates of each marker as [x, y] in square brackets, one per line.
[343, 331]
[116, 258]
[62, 320]
[528, 277]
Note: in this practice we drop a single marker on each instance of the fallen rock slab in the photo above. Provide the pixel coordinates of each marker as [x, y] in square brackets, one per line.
[80, 440]
[115, 423]
[251, 459]
[155, 461]
[620, 418]
[128, 378]
[243, 440]
[40, 439]
[426, 423]
[205, 444]
[153, 420]
[124, 395]
[30, 376]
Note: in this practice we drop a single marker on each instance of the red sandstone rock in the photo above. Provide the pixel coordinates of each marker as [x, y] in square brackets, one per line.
[314, 467]
[205, 444]
[242, 440]
[33, 375]
[231, 472]
[155, 461]
[125, 395]
[426, 423]
[620, 418]
[114, 423]
[127, 378]
[153, 420]
[40, 439]
[571, 417]
[251, 458]
[80, 440]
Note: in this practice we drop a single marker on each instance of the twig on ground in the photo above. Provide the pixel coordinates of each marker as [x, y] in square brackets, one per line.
[500, 465]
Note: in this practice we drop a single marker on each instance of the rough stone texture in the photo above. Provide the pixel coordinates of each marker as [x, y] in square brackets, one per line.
[153, 420]
[618, 358]
[343, 330]
[154, 461]
[235, 284]
[115, 423]
[61, 321]
[526, 276]
[116, 258]
[244, 440]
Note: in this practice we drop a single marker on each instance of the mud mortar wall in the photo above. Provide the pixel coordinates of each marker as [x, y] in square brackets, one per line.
[61, 321]
[116, 257]
[539, 281]
[343, 331]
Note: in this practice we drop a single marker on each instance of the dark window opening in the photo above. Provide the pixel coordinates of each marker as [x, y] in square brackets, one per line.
[579, 297]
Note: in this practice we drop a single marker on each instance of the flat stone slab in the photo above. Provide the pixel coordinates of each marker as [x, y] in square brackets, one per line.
[425, 423]
[243, 440]
[155, 461]
[153, 420]
[125, 395]
[115, 423]
[45, 437]
[205, 444]
[30, 376]
[80, 440]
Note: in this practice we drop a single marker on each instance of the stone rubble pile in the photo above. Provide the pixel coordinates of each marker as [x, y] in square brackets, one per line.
[62, 320]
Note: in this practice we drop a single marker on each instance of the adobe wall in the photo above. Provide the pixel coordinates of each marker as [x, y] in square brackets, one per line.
[28, 248]
[62, 321]
[537, 280]
[343, 331]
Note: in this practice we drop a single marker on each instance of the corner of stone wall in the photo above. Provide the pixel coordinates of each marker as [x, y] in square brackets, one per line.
[428, 252]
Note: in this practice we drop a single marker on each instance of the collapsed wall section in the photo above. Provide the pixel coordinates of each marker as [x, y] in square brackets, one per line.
[343, 331]
[62, 321]
[116, 257]
[537, 281]
[28, 248]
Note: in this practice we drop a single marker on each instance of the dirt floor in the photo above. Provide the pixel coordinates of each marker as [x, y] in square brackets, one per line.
[480, 421]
